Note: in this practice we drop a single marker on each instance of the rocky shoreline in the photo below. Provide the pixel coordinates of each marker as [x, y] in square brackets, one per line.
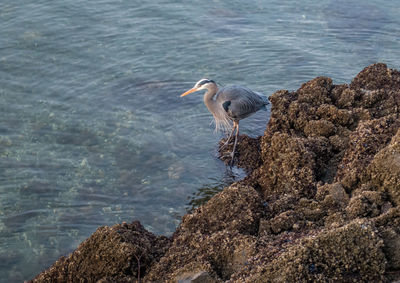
[321, 201]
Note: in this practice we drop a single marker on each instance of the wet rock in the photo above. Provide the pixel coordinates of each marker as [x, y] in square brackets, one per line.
[328, 256]
[365, 204]
[219, 254]
[216, 236]
[198, 277]
[321, 202]
[384, 170]
[289, 166]
[364, 142]
[195, 270]
[391, 248]
[376, 76]
[319, 128]
[331, 199]
[335, 115]
[264, 227]
[389, 225]
[338, 194]
[236, 208]
[316, 91]
[111, 253]
[278, 204]
[283, 222]
[339, 142]
[279, 121]
[247, 154]
[346, 98]
[323, 162]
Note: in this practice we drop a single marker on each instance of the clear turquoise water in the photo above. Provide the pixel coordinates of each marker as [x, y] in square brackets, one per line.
[92, 129]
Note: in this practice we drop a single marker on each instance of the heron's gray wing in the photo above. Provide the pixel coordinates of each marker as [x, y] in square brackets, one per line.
[239, 102]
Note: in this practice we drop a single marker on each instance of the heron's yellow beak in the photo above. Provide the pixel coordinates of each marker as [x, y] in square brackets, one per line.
[189, 91]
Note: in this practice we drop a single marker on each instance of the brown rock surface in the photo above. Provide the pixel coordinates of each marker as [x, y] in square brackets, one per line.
[110, 254]
[218, 236]
[247, 152]
[321, 202]
[327, 256]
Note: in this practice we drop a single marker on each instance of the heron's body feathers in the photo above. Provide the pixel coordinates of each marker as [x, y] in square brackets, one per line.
[226, 105]
[240, 102]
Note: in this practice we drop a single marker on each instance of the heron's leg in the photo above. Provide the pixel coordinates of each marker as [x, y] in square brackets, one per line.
[236, 124]
[228, 139]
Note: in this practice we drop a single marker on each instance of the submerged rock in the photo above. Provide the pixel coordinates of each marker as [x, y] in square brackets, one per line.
[321, 201]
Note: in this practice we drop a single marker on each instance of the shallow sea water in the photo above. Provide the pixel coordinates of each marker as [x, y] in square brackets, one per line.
[93, 131]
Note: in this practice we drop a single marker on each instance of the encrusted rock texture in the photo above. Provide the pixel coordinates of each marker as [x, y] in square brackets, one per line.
[321, 202]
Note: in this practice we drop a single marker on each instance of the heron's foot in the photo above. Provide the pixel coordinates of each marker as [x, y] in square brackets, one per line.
[232, 155]
[224, 145]
[225, 156]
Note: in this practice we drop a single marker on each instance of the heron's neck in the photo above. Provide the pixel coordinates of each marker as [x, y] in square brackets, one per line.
[209, 98]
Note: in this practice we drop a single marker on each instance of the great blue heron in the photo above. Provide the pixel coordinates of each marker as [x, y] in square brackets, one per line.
[231, 103]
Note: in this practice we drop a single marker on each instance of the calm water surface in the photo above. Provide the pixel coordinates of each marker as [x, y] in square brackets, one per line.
[92, 129]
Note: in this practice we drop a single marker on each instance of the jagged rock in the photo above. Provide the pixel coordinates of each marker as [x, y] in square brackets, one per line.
[384, 170]
[289, 166]
[334, 194]
[365, 141]
[365, 204]
[247, 153]
[391, 247]
[110, 254]
[220, 254]
[283, 222]
[217, 235]
[328, 256]
[376, 76]
[198, 277]
[319, 128]
[321, 202]
[236, 208]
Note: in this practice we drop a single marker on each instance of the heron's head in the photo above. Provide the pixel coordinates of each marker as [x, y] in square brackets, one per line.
[201, 84]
